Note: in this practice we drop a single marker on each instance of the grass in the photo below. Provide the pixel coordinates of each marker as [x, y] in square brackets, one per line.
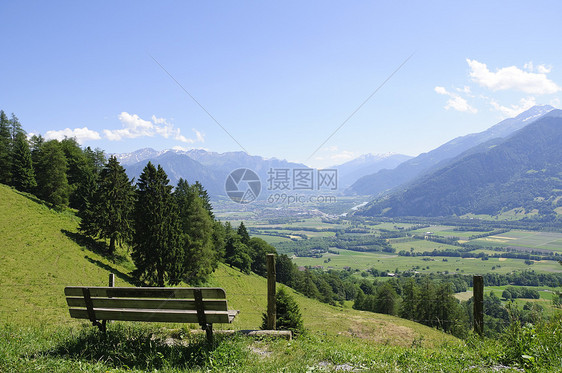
[39, 256]
[131, 348]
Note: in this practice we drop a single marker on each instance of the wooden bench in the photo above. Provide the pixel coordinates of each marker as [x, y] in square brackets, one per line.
[205, 306]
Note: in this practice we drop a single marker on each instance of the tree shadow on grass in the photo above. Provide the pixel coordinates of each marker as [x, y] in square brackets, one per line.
[94, 246]
[123, 276]
[133, 347]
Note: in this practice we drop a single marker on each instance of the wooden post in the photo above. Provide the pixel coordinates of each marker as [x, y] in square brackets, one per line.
[111, 284]
[271, 295]
[478, 296]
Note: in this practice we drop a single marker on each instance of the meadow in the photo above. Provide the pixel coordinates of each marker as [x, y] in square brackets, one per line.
[42, 252]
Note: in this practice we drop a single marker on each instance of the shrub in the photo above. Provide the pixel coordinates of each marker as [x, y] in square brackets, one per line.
[288, 314]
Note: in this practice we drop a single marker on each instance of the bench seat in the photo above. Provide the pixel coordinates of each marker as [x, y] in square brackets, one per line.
[205, 306]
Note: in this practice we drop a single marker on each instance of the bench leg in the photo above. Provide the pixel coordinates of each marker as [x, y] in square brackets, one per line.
[208, 328]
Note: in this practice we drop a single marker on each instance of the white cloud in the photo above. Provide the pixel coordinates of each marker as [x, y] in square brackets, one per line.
[465, 89]
[455, 101]
[80, 134]
[198, 135]
[343, 156]
[513, 78]
[514, 110]
[134, 126]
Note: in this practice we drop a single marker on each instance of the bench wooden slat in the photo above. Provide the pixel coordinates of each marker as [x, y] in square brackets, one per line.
[204, 306]
[152, 315]
[146, 292]
[170, 304]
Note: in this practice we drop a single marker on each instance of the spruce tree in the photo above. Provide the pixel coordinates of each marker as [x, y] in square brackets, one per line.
[52, 184]
[23, 175]
[5, 150]
[79, 166]
[109, 214]
[288, 316]
[243, 233]
[205, 199]
[157, 248]
[200, 257]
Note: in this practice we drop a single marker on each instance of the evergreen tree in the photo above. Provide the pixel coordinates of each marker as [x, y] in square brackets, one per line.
[219, 239]
[96, 158]
[410, 299]
[23, 176]
[15, 128]
[288, 314]
[5, 150]
[79, 169]
[386, 300]
[236, 254]
[286, 270]
[243, 233]
[157, 249]
[109, 215]
[259, 249]
[52, 184]
[200, 257]
[205, 199]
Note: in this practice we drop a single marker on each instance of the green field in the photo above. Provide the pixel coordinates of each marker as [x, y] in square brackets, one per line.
[419, 246]
[386, 262]
[534, 240]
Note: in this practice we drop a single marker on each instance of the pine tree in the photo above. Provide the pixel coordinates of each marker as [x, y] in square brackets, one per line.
[386, 300]
[23, 175]
[110, 213]
[157, 246]
[52, 184]
[258, 251]
[200, 257]
[79, 166]
[15, 128]
[5, 150]
[288, 316]
[236, 254]
[243, 233]
[205, 199]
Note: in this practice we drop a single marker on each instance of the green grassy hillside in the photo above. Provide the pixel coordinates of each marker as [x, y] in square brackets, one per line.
[41, 253]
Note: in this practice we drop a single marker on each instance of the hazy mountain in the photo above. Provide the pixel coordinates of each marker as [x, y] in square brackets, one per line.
[181, 166]
[367, 164]
[522, 170]
[385, 180]
[209, 168]
[136, 156]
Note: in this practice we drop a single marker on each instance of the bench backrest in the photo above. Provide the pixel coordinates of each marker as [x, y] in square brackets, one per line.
[186, 305]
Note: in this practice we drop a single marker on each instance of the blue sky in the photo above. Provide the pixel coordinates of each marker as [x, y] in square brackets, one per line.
[280, 77]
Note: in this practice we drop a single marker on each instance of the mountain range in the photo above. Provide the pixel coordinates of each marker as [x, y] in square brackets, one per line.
[385, 180]
[211, 169]
[515, 163]
[367, 164]
[523, 170]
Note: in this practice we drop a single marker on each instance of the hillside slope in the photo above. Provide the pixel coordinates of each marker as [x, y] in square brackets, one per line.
[385, 180]
[523, 171]
[40, 254]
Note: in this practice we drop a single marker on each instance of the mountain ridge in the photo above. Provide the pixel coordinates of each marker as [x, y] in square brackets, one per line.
[522, 170]
[386, 180]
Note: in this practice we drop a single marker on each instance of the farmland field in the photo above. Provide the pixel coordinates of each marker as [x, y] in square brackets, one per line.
[389, 263]
[527, 239]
